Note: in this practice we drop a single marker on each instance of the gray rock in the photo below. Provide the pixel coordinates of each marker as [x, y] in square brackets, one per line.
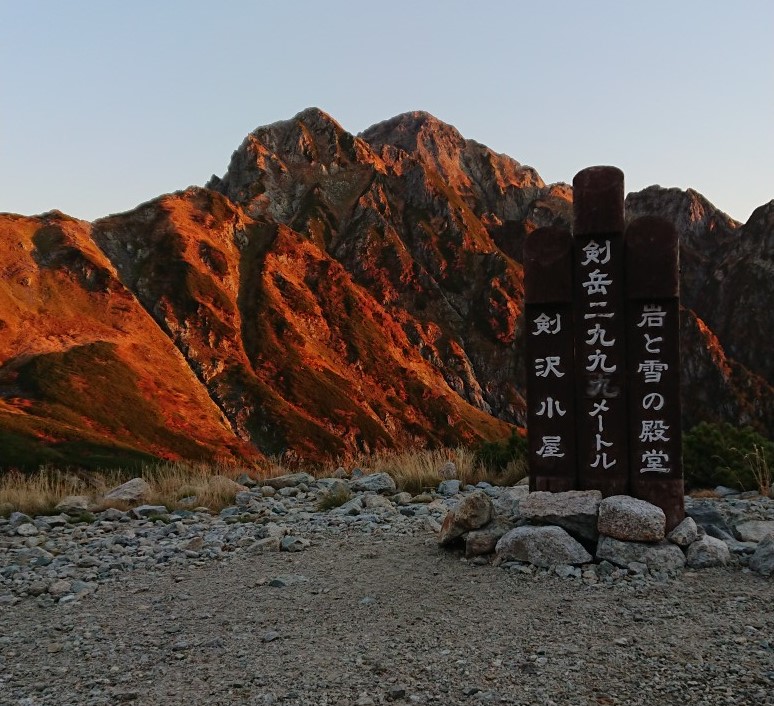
[59, 588]
[574, 510]
[131, 491]
[340, 472]
[449, 487]
[663, 556]
[706, 552]
[754, 530]
[762, 560]
[723, 491]
[483, 541]
[267, 544]
[73, 504]
[448, 470]
[374, 482]
[685, 533]
[473, 511]
[18, 518]
[705, 512]
[508, 501]
[294, 544]
[246, 481]
[289, 480]
[27, 530]
[541, 546]
[631, 519]
[147, 510]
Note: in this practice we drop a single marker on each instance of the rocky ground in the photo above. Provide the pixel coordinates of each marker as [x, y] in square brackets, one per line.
[276, 601]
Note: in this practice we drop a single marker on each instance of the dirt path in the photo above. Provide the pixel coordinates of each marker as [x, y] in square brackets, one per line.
[391, 619]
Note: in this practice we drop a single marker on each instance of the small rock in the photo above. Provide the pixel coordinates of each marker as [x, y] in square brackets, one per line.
[246, 481]
[483, 541]
[754, 530]
[267, 544]
[131, 491]
[685, 533]
[340, 472]
[474, 511]
[289, 480]
[27, 530]
[706, 552]
[723, 491]
[762, 560]
[541, 546]
[147, 510]
[374, 482]
[448, 470]
[59, 588]
[294, 544]
[631, 519]
[73, 504]
[663, 556]
[270, 636]
[447, 488]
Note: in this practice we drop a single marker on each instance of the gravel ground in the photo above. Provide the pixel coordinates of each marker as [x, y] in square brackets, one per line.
[376, 619]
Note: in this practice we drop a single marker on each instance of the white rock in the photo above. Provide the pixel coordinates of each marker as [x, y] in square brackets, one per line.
[706, 552]
[631, 520]
[374, 482]
[685, 533]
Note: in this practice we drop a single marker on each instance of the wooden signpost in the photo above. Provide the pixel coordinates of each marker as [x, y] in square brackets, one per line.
[603, 357]
[550, 345]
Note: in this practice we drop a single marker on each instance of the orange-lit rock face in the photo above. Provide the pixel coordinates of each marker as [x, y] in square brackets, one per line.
[331, 294]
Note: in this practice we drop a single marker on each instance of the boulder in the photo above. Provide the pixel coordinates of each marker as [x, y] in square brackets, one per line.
[762, 560]
[705, 512]
[483, 541]
[509, 500]
[541, 546]
[663, 556]
[754, 530]
[132, 491]
[73, 504]
[706, 552]
[474, 511]
[374, 482]
[574, 510]
[449, 487]
[685, 533]
[631, 520]
[289, 480]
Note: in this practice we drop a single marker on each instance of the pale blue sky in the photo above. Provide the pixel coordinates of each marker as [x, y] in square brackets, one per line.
[104, 104]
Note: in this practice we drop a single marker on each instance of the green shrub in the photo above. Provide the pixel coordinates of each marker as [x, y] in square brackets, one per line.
[722, 454]
[497, 455]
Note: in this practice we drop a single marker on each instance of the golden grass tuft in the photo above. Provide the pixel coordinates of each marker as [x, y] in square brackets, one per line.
[212, 485]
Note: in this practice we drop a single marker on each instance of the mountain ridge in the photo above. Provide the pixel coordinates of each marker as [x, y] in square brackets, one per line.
[333, 293]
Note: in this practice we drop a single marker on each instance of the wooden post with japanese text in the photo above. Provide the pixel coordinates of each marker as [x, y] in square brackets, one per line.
[653, 341]
[600, 331]
[550, 367]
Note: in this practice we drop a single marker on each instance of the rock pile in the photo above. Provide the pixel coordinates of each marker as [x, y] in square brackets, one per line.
[578, 533]
[58, 559]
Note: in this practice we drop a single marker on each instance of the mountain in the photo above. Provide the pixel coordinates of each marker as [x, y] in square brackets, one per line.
[331, 294]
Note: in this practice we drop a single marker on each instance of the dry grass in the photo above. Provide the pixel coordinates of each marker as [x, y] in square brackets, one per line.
[174, 485]
[417, 470]
[703, 493]
[762, 473]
